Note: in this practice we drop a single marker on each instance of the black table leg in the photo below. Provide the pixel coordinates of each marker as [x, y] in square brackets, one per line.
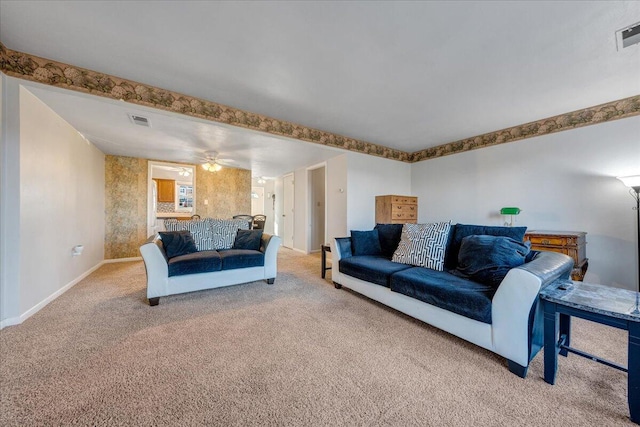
[633, 373]
[551, 330]
[324, 262]
[565, 329]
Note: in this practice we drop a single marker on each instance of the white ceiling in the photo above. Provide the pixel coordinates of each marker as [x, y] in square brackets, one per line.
[407, 75]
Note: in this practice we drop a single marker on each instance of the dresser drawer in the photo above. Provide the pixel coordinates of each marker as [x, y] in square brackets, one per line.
[556, 240]
[408, 215]
[403, 208]
[405, 200]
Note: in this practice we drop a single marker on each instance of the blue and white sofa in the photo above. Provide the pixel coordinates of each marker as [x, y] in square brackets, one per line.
[479, 294]
[206, 254]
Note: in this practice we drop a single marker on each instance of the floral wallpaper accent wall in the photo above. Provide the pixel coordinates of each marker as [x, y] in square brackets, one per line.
[227, 191]
[125, 206]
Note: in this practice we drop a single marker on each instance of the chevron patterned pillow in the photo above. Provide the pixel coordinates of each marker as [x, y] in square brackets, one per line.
[423, 245]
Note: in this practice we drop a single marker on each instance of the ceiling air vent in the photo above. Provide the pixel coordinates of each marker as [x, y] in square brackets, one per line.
[628, 36]
[139, 120]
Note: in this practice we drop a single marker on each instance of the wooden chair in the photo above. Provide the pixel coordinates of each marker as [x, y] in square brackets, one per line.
[258, 222]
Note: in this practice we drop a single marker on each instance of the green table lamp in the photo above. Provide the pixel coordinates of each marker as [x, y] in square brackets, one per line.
[511, 211]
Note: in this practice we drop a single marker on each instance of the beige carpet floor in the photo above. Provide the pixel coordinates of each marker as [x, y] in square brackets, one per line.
[296, 353]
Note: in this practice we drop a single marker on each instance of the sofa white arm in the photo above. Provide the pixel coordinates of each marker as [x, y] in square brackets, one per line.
[271, 245]
[510, 307]
[157, 269]
[515, 299]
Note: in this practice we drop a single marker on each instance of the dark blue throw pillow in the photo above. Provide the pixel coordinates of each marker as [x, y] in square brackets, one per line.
[487, 259]
[177, 243]
[460, 231]
[365, 243]
[248, 239]
[389, 236]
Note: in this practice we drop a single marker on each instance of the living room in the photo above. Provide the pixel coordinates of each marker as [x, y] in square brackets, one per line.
[55, 183]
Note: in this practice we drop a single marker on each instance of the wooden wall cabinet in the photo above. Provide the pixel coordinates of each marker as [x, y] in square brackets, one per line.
[572, 243]
[394, 209]
[166, 190]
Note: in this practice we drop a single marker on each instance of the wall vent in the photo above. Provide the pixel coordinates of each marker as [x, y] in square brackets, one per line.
[628, 36]
[139, 120]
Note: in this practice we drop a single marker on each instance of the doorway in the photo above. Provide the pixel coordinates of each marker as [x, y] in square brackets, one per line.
[287, 211]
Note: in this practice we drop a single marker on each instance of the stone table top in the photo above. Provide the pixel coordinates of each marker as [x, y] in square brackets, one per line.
[606, 300]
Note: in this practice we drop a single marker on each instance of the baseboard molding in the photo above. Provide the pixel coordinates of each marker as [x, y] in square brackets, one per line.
[33, 310]
[300, 250]
[10, 322]
[133, 258]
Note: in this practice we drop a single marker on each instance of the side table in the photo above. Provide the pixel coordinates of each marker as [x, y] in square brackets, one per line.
[325, 249]
[600, 304]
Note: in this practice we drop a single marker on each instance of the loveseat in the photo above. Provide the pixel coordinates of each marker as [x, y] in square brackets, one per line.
[492, 305]
[206, 254]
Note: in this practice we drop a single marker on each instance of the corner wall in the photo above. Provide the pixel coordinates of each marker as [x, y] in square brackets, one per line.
[61, 204]
[562, 181]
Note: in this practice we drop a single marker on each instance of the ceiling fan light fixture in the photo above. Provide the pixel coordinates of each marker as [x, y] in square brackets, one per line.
[211, 167]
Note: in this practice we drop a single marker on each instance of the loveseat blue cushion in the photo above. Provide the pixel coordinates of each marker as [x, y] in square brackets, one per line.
[374, 269]
[460, 231]
[444, 290]
[389, 235]
[196, 262]
[241, 258]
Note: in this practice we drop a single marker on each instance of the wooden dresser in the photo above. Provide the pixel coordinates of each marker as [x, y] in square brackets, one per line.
[572, 243]
[396, 209]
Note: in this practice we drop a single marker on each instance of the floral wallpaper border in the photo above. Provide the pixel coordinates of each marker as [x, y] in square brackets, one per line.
[34, 68]
[29, 67]
[615, 110]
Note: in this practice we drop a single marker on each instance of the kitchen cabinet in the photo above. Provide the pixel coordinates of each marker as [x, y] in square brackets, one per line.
[166, 190]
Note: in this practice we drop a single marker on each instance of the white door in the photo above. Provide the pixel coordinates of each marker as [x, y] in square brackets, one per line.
[287, 211]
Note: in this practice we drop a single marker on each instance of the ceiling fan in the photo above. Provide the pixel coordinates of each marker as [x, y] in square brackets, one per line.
[212, 163]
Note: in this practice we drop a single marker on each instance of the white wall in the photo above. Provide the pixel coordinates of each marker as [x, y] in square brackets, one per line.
[277, 214]
[10, 203]
[62, 193]
[562, 181]
[317, 208]
[301, 210]
[336, 194]
[368, 177]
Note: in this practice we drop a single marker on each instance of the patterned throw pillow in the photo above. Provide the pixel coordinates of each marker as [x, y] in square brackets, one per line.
[223, 231]
[199, 231]
[423, 245]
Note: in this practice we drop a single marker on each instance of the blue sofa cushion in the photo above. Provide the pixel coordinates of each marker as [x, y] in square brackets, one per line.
[196, 262]
[177, 243]
[365, 242]
[460, 231]
[444, 290]
[374, 269]
[487, 259]
[240, 258]
[248, 239]
[389, 235]
[344, 245]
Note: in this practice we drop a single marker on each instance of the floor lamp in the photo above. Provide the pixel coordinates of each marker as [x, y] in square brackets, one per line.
[633, 182]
